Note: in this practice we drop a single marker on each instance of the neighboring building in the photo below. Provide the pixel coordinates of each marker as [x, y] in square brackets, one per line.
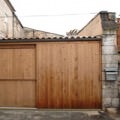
[18, 31]
[104, 24]
[103, 21]
[33, 33]
[11, 27]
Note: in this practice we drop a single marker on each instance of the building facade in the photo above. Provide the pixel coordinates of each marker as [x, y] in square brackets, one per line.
[11, 27]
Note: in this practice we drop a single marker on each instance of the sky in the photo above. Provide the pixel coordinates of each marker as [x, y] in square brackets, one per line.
[61, 16]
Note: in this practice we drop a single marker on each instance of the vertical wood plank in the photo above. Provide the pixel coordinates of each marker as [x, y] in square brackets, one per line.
[17, 76]
[68, 75]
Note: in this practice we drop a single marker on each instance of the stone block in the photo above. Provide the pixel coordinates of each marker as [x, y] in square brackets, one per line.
[115, 102]
[109, 32]
[106, 93]
[115, 85]
[109, 92]
[110, 59]
[109, 50]
[107, 102]
[115, 93]
[109, 40]
[107, 65]
[109, 84]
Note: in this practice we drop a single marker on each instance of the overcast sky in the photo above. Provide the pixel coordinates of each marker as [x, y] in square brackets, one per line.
[60, 16]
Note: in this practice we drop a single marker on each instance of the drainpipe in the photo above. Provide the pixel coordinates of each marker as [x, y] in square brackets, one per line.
[13, 25]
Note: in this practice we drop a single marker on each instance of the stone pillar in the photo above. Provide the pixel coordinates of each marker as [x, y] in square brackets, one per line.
[109, 60]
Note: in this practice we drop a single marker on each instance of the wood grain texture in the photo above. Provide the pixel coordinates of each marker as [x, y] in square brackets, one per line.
[17, 63]
[54, 75]
[68, 75]
[17, 94]
[17, 76]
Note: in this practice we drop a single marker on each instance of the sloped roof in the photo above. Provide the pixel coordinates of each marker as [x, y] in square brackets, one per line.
[29, 29]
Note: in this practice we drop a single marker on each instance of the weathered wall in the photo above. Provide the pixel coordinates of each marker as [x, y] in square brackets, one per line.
[18, 31]
[32, 33]
[109, 60]
[9, 24]
[6, 20]
[11, 27]
[93, 28]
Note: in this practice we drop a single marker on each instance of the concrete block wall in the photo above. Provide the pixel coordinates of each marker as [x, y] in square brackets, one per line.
[109, 60]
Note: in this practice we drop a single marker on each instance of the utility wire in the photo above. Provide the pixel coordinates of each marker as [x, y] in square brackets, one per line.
[55, 15]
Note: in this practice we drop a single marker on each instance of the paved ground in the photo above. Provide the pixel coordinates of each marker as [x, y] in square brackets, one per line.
[51, 115]
[116, 117]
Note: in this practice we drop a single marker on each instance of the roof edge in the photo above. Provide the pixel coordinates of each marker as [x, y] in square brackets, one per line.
[18, 20]
[10, 5]
[100, 13]
[55, 39]
[89, 22]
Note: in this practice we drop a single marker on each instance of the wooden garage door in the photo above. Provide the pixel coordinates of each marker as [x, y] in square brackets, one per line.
[69, 75]
[17, 76]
